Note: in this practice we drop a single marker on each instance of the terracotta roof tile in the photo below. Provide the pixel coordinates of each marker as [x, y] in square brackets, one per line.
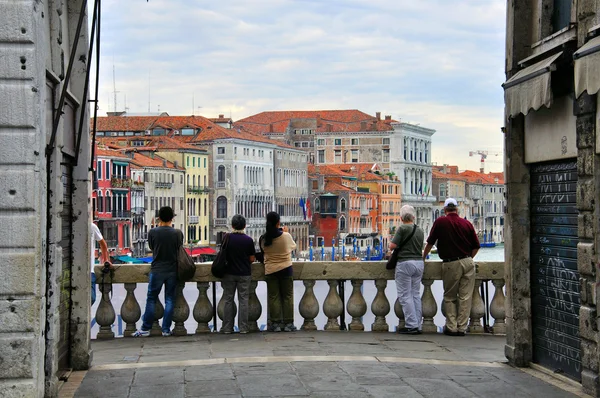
[156, 161]
[341, 121]
[331, 186]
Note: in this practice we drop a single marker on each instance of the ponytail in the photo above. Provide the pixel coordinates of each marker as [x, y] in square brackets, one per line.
[272, 221]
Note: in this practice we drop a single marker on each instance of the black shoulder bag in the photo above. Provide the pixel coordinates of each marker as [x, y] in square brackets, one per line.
[391, 264]
[219, 265]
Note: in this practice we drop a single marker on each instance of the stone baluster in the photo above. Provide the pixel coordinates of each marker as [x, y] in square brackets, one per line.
[477, 310]
[380, 307]
[159, 311]
[254, 308]
[203, 309]
[399, 313]
[130, 310]
[181, 311]
[357, 306]
[497, 309]
[429, 307]
[105, 314]
[332, 307]
[309, 306]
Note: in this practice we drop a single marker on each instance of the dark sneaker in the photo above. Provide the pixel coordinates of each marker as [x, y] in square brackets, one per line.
[275, 327]
[408, 331]
[462, 334]
[448, 332]
[289, 327]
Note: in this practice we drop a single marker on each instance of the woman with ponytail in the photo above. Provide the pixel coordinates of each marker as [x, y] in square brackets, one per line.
[277, 245]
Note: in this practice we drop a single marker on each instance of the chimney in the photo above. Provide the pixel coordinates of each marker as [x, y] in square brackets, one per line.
[270, 127]
[329, 128]
[363, 126]
[221, 116]
[378, 115]
[176, 163]
[388, 117]
[164, 162]
[318, 120]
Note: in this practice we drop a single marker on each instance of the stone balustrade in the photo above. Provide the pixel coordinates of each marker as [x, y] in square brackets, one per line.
[308, 272]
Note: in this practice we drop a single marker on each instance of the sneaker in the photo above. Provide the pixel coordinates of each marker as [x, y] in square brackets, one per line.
[461, 334]
[167, 334]
[141, 333]
[275, 327]
[289, 327]
[408, 331]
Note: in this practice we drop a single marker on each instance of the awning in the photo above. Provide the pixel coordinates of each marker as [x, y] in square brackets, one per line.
[530, 88]
[146, 259]
[196, 251]
[587, 68]
[120, 163]
[128, 259]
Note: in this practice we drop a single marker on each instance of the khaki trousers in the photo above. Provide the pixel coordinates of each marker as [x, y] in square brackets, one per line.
[459, 280]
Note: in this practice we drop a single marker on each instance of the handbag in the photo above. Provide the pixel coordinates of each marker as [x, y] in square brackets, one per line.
[185, 265]
[391, 264]
[219, 265]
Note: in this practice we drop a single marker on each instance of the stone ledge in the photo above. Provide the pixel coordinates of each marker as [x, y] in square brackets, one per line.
[316, 270]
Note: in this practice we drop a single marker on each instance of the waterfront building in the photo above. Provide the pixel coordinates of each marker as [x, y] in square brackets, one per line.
[139, 232]
[111, 201]
[551, 140]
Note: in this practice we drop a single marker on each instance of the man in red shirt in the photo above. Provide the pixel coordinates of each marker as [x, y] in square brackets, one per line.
[457, 244]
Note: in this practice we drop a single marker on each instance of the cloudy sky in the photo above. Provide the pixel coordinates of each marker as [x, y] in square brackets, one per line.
[438, 63]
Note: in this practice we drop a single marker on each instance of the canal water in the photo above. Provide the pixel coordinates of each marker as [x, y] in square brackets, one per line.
[321, 289]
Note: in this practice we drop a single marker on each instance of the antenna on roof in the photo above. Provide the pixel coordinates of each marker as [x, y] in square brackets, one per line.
[114, 86]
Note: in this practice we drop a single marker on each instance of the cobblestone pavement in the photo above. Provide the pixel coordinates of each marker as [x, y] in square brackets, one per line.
[315, 364]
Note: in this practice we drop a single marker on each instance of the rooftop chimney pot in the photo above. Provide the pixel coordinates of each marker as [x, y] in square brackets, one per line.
[378, 115]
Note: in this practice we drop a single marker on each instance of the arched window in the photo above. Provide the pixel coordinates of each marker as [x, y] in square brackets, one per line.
[221, 207]
[317, 205]
[343, 205]
[342, 223]
[221, 174]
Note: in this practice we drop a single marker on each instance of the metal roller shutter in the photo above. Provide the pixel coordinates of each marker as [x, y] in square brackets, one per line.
[555, 296]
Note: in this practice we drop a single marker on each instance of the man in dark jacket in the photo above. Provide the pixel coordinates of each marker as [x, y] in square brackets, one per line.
[164, 241]
[457, 244]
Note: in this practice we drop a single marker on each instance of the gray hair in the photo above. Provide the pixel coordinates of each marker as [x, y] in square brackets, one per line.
[407, 213]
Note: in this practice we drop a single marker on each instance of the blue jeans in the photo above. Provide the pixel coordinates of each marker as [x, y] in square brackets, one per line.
[155, 283]
[93, 288]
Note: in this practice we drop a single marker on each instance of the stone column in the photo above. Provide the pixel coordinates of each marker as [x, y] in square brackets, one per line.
[130, 310]
[380, 307]
[518, 348]
[429, 307]
[332, 307]
[181, 311]
[203, 310]
[159, 311]
[105, 314]
[588, 187]
[477, 310]
[309, 306]
[399, 313]
[254, 308]
[497, 309]
[357, 306]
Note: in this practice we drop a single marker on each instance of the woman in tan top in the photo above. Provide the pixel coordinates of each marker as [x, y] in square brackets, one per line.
[277, 245]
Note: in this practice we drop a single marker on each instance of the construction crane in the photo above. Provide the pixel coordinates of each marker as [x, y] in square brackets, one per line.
[484, 155]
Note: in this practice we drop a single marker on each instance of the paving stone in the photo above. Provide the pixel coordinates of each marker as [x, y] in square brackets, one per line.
[364, 380]
[158, 376]
[208, 388]
[383, 391]
[457, 370]
[110, 374]
[376, 369]
[274, 368]
[438, 388]
[155, 391]
[209, 372]
[264, 386]
[307, 368]
[330, 382]
[496, 389]
[102, 389]
[415, 370]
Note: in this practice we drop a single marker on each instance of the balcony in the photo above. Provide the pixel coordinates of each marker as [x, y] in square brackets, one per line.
[365, 231]
[197, 189]
[364, 212]
[138, 210]
[120, 182]
[167, 185]
[193, 219]
[220, 222]
[220, 184]
[137, 185]
[121, 214]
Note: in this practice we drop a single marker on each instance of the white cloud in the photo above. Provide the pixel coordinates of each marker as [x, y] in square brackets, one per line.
[436, 62]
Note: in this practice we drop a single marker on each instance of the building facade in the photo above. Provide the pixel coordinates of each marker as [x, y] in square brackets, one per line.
[47, 185]
[111, 200]
[410, 154]
[552, 146]
[139, 233]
